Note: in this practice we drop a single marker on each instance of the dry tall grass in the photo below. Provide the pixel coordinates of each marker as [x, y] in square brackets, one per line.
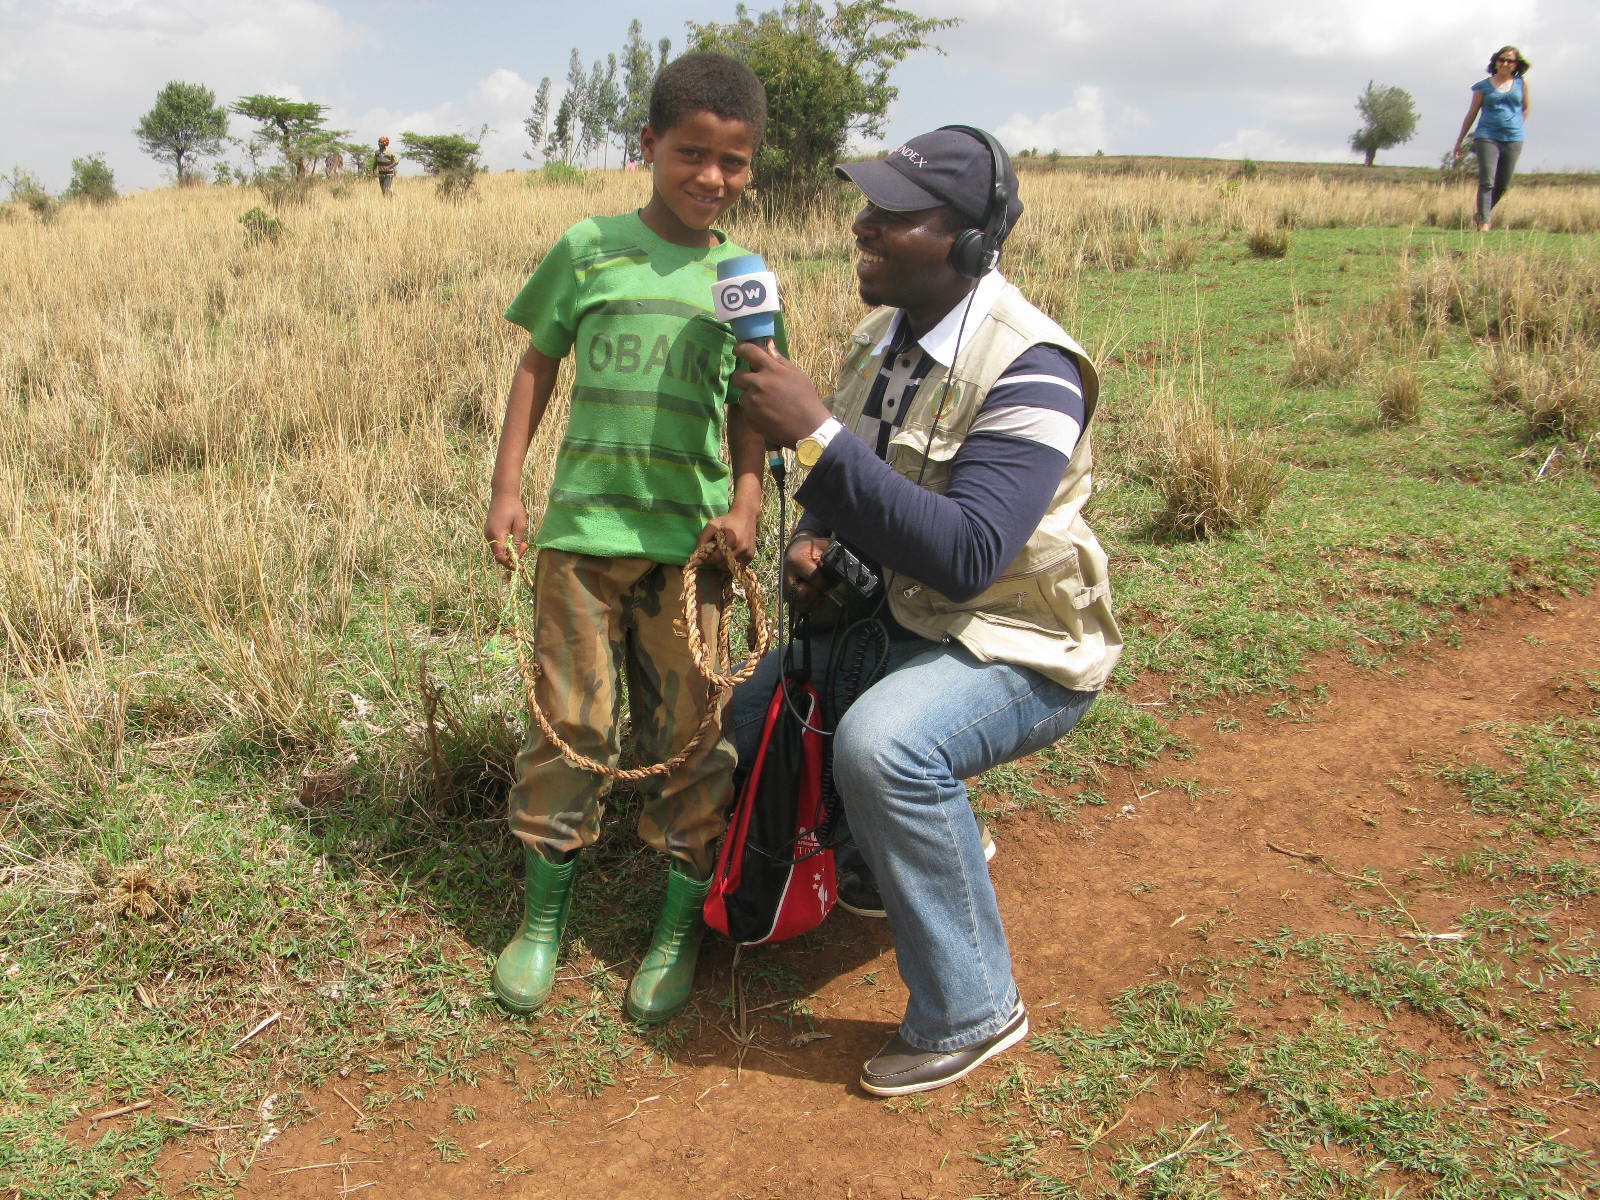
[1537, 320]
[221, 451]
[216, 448]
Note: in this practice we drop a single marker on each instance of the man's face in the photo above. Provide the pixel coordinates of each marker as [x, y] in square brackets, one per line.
[904, 257]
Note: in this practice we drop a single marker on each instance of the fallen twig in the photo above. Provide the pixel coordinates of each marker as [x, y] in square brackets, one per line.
[1322, 861]
[197, 1125]
[275, 1017]
[353, 1108]
[637, 1105]
[513, 1154]
[1187, 1143]
[1316, 858]
[353, 1162]
[120, 1112]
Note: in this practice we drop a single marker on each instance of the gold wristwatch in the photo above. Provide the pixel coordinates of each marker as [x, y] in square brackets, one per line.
[808, 450]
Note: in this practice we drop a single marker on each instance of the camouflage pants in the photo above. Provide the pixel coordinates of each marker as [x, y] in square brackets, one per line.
[599, 618]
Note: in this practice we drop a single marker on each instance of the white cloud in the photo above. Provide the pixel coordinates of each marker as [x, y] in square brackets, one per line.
[65, 68]
[1271, 146]
[1084, 40]
[504, 92]
[1078, 129]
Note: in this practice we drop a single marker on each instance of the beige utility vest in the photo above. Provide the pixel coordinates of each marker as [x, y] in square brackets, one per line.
[1050, 609]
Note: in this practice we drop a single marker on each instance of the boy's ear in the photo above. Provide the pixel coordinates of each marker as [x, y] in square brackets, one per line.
[647, 145]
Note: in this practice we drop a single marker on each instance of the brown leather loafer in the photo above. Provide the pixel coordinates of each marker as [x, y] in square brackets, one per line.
[900, 1068]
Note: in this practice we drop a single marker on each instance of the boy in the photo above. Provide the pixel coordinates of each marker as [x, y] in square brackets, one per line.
[639, 484]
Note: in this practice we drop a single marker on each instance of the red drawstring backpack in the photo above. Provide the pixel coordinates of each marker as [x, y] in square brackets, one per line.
[774, 877]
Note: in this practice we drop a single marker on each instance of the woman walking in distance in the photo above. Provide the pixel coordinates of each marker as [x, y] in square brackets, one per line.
[384, 162]
[1500, 106]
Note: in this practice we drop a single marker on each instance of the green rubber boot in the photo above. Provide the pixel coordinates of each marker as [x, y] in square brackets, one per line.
[525, 972]
[661, 985]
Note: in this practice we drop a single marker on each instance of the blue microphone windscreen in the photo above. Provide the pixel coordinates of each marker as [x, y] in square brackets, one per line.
[741, 264]
[748, 326]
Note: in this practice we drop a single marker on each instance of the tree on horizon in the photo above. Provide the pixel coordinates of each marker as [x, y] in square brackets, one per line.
[1389, 117]
[185, 122]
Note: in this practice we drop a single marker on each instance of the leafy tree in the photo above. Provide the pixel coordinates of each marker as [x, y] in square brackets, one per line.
[452, 157]
[559, 143]
[1389, 117]
[633, 109]
[576, 100]
[827, 77]
[293, 128]
[598, 114]
[185, 122]
[537, 122]
[92, 180]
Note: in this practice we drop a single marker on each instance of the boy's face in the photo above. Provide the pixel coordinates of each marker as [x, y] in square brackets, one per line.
[700, 167]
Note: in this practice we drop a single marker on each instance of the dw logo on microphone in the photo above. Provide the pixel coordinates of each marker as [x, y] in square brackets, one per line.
[750, 293]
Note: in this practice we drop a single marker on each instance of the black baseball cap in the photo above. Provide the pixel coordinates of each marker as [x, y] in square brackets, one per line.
[949, 166]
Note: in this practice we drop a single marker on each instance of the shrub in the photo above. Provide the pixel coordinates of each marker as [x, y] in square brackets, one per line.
[456, 183]
[556, 174]
[281, 189]
[27, 191]
[92, 180]
[261, 226]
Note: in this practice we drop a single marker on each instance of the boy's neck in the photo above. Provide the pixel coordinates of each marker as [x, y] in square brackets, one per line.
[661, 221]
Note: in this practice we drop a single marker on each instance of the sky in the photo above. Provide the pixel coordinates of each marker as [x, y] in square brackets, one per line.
[1263, 79]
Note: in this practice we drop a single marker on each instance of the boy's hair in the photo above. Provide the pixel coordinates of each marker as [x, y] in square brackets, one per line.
[704, 81]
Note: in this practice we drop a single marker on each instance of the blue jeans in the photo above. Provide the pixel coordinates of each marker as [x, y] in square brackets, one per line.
[939, 715]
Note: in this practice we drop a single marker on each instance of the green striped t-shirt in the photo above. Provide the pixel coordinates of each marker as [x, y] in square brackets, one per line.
[640, 469]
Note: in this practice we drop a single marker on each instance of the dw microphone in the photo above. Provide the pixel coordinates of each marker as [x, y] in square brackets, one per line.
[746, 297]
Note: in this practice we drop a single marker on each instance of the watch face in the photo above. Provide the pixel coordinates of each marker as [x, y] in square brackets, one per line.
[808, 451]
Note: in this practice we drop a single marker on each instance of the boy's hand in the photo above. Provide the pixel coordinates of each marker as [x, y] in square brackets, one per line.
[777, 400]
[506, 525]
[738, 531]
[800, 563]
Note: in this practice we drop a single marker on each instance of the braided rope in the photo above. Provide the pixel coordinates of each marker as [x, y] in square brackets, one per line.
[705, 658]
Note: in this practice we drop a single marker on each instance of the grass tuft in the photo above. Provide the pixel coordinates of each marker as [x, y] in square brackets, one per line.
[1211, 479]
[1400, 397]
[1268, 243]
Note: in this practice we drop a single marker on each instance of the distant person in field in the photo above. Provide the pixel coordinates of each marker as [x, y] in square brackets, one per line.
[384, 163]
[1500, 107]
[953, 457]
[640, 484]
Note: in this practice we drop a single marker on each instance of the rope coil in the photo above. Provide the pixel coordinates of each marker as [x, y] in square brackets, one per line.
[705, 658]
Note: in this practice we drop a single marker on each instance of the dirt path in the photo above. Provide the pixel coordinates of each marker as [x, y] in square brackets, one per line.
[1093, 907]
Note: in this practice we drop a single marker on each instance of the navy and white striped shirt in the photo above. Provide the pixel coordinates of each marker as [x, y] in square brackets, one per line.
[1002, 479]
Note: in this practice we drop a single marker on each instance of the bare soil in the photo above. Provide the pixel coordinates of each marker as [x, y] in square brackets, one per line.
[1126, 893]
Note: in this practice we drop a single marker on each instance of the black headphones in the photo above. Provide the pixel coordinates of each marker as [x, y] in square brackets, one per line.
[977, 251]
